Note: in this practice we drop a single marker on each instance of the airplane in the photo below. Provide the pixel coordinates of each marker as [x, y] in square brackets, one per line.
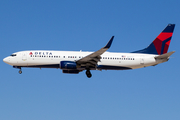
[73, 62]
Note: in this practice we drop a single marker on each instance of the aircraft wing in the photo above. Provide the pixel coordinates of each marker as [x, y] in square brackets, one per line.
[92, 59]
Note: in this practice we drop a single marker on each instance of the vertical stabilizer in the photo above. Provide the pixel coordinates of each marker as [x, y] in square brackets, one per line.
[161, 44]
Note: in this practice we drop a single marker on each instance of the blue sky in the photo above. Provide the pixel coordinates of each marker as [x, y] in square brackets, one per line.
[147, 93]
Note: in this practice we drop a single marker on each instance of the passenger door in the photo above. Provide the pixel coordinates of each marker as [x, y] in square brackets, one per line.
[142, 60]
[24, 56]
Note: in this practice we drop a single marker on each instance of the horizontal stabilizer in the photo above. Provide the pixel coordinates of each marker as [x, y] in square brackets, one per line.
[164, 56]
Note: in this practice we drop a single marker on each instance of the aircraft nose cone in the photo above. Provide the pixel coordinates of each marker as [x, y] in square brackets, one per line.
[6, 60]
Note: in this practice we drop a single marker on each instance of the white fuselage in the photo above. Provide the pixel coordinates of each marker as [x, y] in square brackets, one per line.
[52, 59]
[73, 62]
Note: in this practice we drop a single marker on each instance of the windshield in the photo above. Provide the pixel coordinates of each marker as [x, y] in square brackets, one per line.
[13, 55]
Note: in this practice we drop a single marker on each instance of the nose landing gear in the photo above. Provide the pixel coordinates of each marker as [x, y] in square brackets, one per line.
[20, 71]
[88, 73]
[18, 67]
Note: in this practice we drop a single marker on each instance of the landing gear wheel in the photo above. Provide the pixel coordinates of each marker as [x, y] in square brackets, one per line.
[88, 73]
[20, 71]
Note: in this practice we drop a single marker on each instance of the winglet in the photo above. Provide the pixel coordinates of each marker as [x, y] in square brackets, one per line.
[108, 45]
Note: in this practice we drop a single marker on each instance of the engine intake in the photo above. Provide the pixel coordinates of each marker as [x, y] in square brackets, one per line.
[68, 65]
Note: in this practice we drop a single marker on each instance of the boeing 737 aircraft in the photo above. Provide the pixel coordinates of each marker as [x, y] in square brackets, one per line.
[74, 62]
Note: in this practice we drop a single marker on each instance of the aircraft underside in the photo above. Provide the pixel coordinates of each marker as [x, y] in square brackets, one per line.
[76, 71]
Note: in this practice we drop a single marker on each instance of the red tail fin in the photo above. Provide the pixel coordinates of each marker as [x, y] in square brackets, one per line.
[161, 44]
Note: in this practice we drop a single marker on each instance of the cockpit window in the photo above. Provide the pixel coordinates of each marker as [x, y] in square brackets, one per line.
[13, 55]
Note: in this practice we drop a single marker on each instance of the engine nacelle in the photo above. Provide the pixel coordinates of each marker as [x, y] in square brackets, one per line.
[68, 65]
[71, 71]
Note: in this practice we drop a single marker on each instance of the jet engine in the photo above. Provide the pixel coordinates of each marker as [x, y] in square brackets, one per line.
[68, 65]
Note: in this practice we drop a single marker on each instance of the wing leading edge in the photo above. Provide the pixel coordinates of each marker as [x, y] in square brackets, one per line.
[92, 59]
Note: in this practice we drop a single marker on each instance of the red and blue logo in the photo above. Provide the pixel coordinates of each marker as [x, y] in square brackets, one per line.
[161, 44]
[163, 40]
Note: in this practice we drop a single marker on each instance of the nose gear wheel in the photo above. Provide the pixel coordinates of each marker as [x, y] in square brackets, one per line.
[20, 71]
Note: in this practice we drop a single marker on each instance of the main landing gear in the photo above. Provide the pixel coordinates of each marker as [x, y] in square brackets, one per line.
[88, 73]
